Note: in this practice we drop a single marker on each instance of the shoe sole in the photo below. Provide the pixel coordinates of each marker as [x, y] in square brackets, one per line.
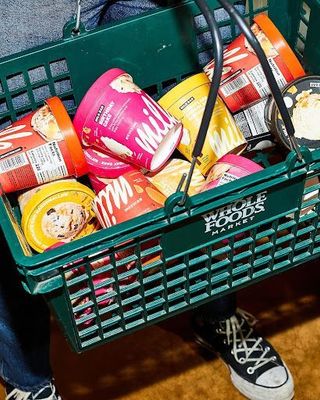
[241, 384]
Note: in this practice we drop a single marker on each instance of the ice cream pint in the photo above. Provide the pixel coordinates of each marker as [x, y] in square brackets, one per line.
[228, 169]
[26, 196]
[98, 182]
[186, 102]
[243, 80]
[59, 212]
[168, 179]
[127, 197]
[117, 117]
[302, 98]
[41, 147]
[251, 122]
[102, 164]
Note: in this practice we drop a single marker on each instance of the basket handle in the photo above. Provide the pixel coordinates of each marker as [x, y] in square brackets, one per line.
[212, 97]
[245, 28]
[76, 28]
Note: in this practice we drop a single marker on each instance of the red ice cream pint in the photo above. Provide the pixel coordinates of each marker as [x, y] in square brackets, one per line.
[119, 118]
[243, 81]
[39, 148]
[127, 197]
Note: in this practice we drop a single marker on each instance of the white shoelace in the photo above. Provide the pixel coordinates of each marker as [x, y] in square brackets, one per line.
[17, 394]
[244, 345]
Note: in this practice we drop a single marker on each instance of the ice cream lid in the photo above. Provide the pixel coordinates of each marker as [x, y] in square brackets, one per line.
[281, 45]
[25, 196]
[240, 162]
[183, 88]
[59, 212]
[92, 96]
[104, 165]
[302, 98]
[70, 135]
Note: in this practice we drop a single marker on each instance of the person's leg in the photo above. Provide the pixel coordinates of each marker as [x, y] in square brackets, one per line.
[118, 10]
[24, 335]
[219, 309]
[256, 369]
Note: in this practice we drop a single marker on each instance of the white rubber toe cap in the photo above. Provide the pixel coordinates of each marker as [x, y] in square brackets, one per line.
[275, 384]
[274, 377]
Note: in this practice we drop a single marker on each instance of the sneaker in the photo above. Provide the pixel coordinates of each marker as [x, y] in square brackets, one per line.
[48, 392]
[256, 369]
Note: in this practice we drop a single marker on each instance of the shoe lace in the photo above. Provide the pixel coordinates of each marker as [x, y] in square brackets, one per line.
[246, 348]
[17, 394]
[52, 395]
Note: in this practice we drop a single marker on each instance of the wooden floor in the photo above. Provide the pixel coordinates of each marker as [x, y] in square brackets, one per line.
[162, 362]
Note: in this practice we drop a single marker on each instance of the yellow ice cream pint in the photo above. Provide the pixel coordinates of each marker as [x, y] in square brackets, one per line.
[24, 197]
[59, 212]
[168, 179]
[186, 102]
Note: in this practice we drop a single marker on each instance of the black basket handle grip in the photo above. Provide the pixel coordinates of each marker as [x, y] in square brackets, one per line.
[213, 93]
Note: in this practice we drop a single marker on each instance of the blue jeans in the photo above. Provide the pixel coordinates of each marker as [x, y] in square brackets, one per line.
[24, 336]
[24, 331]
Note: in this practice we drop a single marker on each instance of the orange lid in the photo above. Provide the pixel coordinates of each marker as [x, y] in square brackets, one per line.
[280, 45]
[70, 135]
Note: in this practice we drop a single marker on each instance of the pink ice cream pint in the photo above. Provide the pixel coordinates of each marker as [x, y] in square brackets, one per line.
[104, 165]
[119, 118]
[228, 169]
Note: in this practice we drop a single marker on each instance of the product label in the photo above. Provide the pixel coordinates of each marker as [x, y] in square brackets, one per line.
[226, 178]
[251, 121]
[33, 151]
[259, 81]
[47, 162]
[234, 86]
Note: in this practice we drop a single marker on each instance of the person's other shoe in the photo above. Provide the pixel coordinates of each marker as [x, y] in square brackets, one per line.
[48, 392]
[256, 369]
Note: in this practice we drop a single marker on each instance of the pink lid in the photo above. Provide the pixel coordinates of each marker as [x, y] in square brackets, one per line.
[240, 162]
[54, 246]
[93, 94]
[104, 165]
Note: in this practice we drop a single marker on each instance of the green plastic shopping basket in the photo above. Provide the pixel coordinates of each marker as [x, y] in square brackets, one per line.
[207, 248]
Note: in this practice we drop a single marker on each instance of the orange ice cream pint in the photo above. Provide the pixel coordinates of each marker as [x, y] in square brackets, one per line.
[41, 147]
[243, 81]
[127, 197]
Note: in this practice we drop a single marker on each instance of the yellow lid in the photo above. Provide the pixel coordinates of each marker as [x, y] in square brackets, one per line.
[182, 89]
[59, 212]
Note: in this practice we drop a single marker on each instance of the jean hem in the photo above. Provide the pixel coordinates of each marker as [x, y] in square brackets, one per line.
[31, 389]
